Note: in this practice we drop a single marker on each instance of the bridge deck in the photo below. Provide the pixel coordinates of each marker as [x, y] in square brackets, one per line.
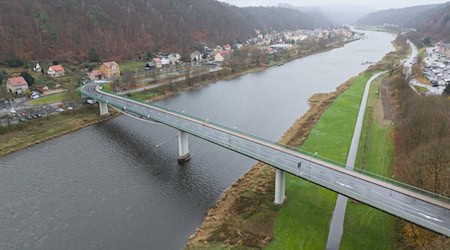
[415, 207]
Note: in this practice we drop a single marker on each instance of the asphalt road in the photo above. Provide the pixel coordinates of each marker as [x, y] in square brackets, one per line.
[337, 221]
[411, 206]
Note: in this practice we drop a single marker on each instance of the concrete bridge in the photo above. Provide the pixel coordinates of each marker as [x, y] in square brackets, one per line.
[412, 204]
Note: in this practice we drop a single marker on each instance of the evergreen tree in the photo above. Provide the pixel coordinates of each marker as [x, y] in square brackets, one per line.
[27, 77]
[93, 57]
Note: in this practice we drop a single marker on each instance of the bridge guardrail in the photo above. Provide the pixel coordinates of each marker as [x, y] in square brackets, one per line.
[312, 155]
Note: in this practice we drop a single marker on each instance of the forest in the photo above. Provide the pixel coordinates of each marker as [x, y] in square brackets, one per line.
[117, 29]
[428, 20]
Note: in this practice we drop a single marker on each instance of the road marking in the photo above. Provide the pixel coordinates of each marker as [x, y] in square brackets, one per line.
[344, 185]
[430, 218]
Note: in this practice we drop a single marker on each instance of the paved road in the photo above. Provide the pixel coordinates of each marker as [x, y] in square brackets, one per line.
[337, 222]
[423, 210]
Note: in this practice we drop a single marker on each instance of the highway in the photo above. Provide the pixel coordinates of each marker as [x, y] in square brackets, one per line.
[412, 206]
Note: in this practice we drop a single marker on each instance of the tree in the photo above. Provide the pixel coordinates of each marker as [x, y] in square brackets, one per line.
[447, 90]
[149, 55]
[27, 77]
[93, 57]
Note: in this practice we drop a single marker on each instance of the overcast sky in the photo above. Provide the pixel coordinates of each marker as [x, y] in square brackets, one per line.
[372, 4]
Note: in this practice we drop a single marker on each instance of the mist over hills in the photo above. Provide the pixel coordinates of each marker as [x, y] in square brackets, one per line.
[429, 20]
[60, 29]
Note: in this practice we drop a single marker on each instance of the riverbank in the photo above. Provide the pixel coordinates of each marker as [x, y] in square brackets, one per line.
[17, 137]
[245, 218]
[34, 132]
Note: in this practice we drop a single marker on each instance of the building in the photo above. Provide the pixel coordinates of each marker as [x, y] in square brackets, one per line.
[157, 62]
[56, 71]
[96, 75]
[16, 85]
[37, 68]
[196, 56]
[174, 58]
[110, 70]
[165, 61]
[218, 57]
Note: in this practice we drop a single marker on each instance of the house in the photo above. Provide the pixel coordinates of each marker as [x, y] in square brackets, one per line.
[37, 68]
[157, 62]
[149, 65]
[56, 71]
[218, 57]
[165, 61]
[174, 58]
[96, 75]
[110, 70]
[196, 56]
[16, 85]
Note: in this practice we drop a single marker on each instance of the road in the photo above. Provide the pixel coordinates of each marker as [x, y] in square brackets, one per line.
[337, 221]
[426, 211]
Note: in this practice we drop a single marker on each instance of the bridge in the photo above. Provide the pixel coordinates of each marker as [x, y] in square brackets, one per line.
[409, 203]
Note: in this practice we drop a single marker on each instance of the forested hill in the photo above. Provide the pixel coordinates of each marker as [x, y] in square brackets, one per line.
[431, 20]
[62, 29]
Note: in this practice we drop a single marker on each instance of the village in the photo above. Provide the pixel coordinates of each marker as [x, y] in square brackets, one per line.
[34, 89]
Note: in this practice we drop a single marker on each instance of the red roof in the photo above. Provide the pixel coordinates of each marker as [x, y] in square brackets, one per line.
[17, 81]
[57, 68]
[96, 72]
[157, 60]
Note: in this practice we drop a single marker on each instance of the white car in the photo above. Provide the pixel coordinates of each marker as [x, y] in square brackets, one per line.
[60, 110]
[69, 108]
[35, 96]
[12, 111]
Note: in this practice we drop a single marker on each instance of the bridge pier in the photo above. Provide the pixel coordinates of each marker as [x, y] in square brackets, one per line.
[183, 147]
[103, 108]
[280, 189]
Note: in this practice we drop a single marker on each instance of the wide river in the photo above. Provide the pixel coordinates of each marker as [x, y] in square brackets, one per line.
[117, 185]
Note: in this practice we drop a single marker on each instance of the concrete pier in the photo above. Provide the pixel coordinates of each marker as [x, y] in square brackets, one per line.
[280, 190]
[183, 147]
[103, 108]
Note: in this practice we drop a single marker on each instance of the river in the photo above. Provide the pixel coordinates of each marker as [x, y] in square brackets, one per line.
[117, 185]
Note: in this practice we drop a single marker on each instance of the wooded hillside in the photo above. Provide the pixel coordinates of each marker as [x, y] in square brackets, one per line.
[63, 29]
[429, 20]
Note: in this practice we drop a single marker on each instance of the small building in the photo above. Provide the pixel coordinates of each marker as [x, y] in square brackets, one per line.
[37, 68]
[196, 56]
[157, 62]
[218, 57]
[56, 71]
[16, 85]
[96, 75]
[174, 58]
[165, 61]
[110, 70]
[150, 65]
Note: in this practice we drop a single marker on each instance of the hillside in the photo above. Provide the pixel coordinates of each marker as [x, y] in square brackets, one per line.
[66, 29]
[429, 20]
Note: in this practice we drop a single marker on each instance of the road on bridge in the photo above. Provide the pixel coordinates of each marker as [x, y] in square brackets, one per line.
[426, 211]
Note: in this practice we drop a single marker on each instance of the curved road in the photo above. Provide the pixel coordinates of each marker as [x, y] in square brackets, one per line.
[409, 205]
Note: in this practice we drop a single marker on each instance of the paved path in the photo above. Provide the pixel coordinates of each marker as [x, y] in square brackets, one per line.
[337, 222]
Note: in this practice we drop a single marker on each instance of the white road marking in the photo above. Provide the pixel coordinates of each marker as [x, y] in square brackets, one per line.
[344, 185]
[430, 218]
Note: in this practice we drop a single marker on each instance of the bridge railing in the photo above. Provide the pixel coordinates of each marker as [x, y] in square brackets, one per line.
[309, 154]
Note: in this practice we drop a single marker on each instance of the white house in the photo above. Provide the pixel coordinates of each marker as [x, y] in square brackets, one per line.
[37, 68]
[56, 71]
[165, 61]
[174, 58]
[218, 58]
[196, 56]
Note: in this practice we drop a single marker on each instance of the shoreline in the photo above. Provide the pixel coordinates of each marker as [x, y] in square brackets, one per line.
[261, 175]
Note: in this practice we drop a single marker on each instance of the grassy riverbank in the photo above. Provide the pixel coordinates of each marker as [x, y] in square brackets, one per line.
[303, 222]
[26, 134]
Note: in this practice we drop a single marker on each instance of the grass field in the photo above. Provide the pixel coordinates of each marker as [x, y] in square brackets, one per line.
[303, 223]
[35, 131]
[48, 99]
[131, 66]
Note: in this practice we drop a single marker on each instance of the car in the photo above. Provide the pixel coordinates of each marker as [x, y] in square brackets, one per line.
[91, 101]
[35, 96]
[69, 108]
[60, 110]
[12, 111]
